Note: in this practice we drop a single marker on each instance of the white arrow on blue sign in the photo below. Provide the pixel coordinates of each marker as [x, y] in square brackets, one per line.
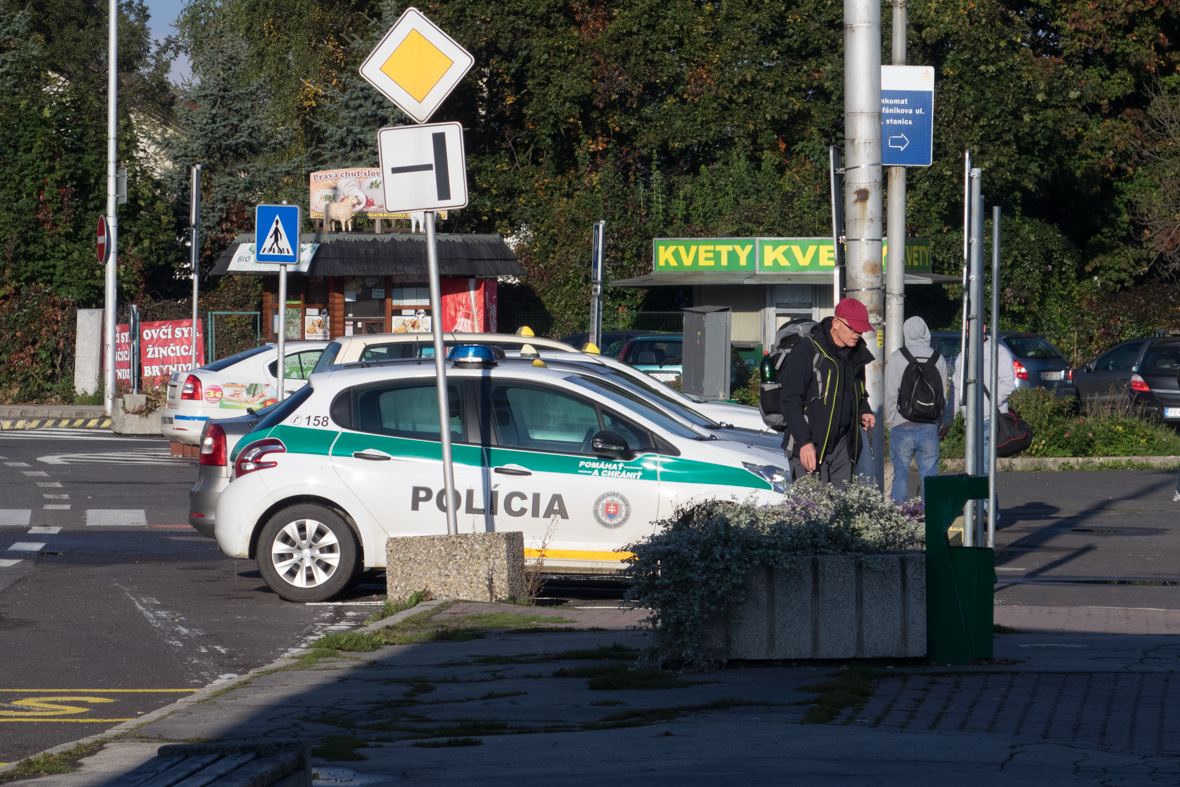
[907, 116]
[276, 233]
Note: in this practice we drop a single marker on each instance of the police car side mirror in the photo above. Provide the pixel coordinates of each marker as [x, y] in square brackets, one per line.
[609, 444]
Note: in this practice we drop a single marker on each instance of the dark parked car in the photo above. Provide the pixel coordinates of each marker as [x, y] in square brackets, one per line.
[1035, 361]
[612, 341]
[659, 354]
[1145, 372]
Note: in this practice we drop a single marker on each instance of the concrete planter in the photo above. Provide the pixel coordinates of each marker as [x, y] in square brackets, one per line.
[123, 422]
[830, 607]
[468, 566]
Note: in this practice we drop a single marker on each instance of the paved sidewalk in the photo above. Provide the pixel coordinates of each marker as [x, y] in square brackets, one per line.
[517, 707]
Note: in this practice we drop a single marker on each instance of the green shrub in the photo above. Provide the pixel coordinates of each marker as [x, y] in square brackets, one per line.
[693, 568]
[1059, 430]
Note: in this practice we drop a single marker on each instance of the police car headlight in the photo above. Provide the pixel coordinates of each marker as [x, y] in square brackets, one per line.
[777, 477]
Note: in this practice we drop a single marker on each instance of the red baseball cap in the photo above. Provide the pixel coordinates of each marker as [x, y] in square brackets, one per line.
[853, 312]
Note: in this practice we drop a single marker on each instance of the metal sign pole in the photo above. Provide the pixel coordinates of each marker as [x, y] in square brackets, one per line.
[895, 219]
[836, 178]
[194, 239]
[973, 370]
[597, 256]
[993, 511]
[440, 374]
[111, 284]
[282, 362]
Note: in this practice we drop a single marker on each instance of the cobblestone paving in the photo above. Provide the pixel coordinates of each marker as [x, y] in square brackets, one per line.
[1137, 712]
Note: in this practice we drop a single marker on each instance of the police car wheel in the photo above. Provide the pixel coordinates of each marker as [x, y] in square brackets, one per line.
[307, 553]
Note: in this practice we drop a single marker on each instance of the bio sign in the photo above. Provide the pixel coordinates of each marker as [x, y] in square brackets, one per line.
[766, 255]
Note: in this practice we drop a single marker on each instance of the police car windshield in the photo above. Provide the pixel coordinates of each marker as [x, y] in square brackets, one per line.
[636, 387]
[634, 403]
[230, 360]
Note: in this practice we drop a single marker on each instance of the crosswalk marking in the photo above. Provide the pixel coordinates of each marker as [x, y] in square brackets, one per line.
[55, 497]
[49, 484]
[15, 517]
[116, 517]
[17, 464]
[9, 563]
[134, 456]
[36, 473]
[27, 546]
[56, 507]
[44, 531]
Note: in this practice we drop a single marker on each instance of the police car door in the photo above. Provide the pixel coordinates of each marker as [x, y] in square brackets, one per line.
[549, 482]
[390, 457]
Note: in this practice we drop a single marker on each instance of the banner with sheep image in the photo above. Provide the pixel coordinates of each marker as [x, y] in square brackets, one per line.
[359, 190]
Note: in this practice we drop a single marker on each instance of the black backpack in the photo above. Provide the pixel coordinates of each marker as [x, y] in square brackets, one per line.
[770, 394]
[922, 396]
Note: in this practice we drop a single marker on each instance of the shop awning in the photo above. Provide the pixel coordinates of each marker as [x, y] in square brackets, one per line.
[387, 254]
[689, 278]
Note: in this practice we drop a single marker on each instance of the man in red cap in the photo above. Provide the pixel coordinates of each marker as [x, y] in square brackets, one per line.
[824, 402]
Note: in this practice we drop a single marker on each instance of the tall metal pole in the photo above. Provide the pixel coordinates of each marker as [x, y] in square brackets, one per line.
[597, 260]
[282, 362]
[993, 511]
[111, 296]
[863, 194]
[973, 370]
[194, 240]
[836, 178]
[440, 373]
[895, 273]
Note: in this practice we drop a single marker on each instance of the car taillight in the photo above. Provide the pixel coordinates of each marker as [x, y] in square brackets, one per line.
[192, 388]
[213, 446]
[1139, 384]
[1069, 375]
[1019, 370]
[252, 457]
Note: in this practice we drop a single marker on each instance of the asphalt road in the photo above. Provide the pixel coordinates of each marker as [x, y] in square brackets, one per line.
[111, 606]
[105, 622]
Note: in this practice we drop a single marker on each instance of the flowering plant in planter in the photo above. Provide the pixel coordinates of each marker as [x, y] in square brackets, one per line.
[693, 568]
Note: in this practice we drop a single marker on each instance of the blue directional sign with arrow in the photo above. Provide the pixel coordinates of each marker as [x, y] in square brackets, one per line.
[276, 233]
[907, 116]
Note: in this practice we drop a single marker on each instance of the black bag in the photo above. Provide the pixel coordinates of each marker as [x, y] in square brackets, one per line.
[1013, 434]
[770, 394]
[921, 398]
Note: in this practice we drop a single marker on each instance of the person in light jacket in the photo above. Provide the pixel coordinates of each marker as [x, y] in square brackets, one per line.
[907, 439]
[1007, 384]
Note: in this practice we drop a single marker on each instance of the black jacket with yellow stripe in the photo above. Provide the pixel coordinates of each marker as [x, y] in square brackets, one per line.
[814, 381]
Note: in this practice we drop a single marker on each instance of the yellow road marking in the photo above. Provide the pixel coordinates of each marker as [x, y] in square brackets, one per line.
[100, 691]
[79, 721]
[48, 706]
[577, 554]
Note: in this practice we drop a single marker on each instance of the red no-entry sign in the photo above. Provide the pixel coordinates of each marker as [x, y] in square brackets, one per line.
[104, 240]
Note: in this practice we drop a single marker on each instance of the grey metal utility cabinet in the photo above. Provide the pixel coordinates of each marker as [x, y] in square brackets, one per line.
[705, 361]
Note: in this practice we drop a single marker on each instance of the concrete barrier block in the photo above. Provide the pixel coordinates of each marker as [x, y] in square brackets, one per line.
[123, 422]
[794, 609]
[469, 566]
[837, 619]
[880, 592]
[915, 608]
[88, 351]
[751, 628]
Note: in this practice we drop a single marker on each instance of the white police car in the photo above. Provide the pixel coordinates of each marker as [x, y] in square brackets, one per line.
[354, 458]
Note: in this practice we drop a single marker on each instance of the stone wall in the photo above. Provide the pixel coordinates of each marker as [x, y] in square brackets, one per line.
[469, 566]
[830, 607]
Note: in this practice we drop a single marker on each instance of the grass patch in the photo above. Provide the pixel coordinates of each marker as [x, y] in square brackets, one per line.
[350, 641]
[46, 764]
[620, 677]
[334, 721]
[499, 695]
[448, 743]
[502, 620]
[393, 606]
[852, 688]
[456, 635]
[340, 748]
[640, 717]
[1000, 629]
[419, 688]
[614, 652]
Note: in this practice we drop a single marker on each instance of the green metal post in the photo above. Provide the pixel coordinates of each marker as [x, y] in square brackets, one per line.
[959, 580]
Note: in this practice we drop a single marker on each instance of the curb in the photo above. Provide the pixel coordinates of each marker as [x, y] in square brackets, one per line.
[11, 425]
[201, 694]
[1074, 462]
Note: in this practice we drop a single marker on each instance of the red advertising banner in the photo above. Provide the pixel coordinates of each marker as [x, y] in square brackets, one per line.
[469, 305]
[164, 347]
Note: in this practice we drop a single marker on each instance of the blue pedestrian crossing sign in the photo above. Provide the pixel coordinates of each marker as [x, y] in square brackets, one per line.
[276, 233]
[907, 116]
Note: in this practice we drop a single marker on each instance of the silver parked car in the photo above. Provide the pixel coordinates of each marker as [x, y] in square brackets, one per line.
[1035, 361]
[214, 472]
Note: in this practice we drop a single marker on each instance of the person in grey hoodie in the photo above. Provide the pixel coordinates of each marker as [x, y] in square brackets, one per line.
[906, 438]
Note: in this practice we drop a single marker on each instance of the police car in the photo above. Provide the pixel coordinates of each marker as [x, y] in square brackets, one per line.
[329, 475]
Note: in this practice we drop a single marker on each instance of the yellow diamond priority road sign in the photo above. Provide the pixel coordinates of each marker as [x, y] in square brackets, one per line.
[416, 65]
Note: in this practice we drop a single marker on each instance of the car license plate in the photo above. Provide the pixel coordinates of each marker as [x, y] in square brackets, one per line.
[1172, 412]
[666, 377]
[1052, 375]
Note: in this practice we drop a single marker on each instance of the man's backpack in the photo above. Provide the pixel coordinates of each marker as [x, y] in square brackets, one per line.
[922, 396]
[770, 395]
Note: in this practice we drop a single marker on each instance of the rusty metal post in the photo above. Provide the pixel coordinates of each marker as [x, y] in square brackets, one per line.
[863, 200]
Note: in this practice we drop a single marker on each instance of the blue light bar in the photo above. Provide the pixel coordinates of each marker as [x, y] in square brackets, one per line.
[479, 354]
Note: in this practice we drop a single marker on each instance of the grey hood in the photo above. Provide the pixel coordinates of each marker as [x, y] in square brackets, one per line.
[916, 334]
